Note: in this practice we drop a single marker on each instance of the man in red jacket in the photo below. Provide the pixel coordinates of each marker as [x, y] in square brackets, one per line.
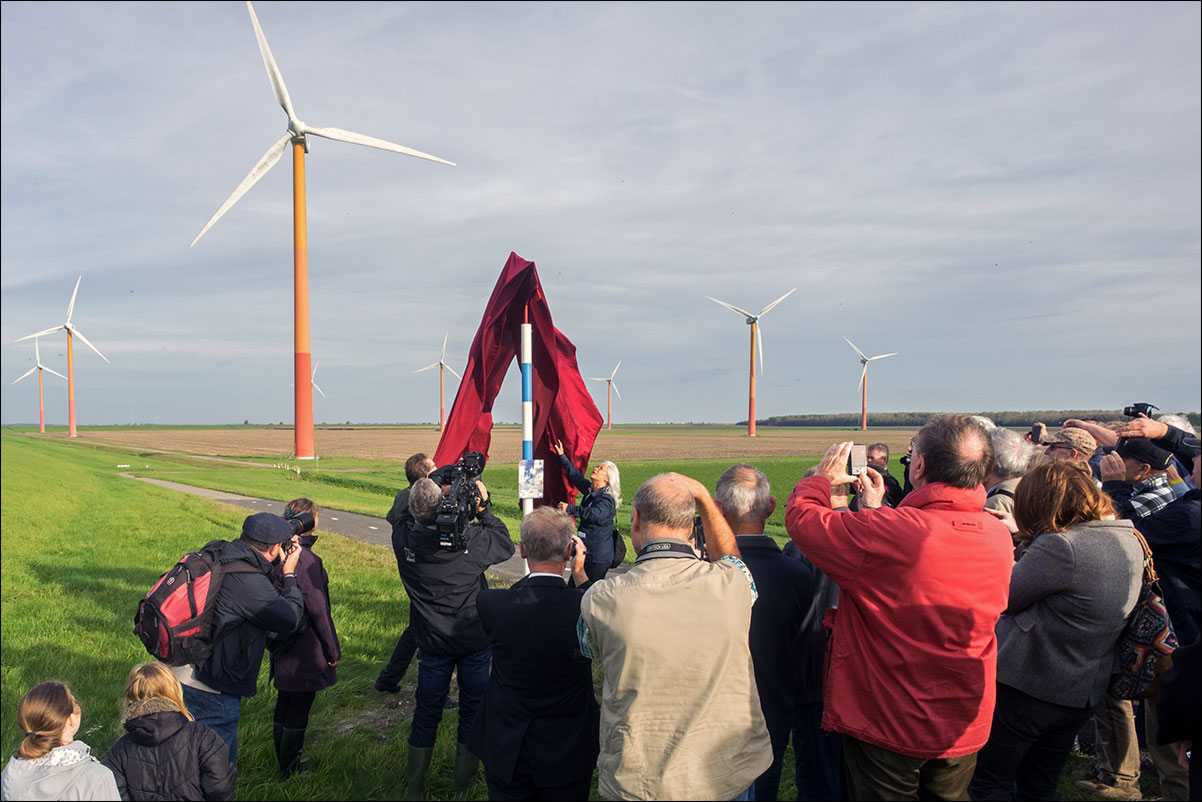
[912, 658]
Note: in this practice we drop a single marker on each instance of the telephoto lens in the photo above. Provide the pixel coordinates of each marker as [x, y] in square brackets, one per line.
[301, 522]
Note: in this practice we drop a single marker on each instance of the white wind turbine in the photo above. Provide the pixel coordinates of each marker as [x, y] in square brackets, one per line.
[864, 360]
[297, 134]
[72, 333]
[39, 367]
[757, 340]
[442, 365]
[612, 387]
[313, 380]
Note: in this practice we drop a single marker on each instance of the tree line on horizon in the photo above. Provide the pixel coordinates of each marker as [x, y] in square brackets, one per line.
[1011, 418]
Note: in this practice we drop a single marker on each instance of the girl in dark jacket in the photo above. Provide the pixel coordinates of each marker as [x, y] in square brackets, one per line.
[595, 512]
[164, 753]
[303, 664]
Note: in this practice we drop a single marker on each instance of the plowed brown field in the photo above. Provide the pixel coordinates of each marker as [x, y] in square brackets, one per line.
[397, 443]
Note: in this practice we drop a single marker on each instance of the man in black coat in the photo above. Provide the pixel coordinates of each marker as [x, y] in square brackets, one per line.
[442, 585]
[744, 496]
[538, 728]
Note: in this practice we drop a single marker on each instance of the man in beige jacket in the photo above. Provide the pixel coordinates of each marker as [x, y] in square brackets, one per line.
[680, 713]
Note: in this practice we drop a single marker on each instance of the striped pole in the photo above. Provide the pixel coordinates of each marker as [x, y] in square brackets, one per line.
[527, 399]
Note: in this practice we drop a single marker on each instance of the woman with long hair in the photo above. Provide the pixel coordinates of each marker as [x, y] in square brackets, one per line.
[164, 753]
[1076, 581]
[50, 763]
[602, 493]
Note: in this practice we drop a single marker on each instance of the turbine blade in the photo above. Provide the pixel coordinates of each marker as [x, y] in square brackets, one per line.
[615, 386]
[863, 376]
[340, 135]
[448, 367]
[443, 358]
[313, 374]
[615, 373]
[26, 373]
[71, 306]
[37, 354]
[742, 312]
[597, 379]
[764, 311]
[759, 340]
[79, 334]
[427, 367]
[318, 389]
[273, 70]
[882, 356]
[55, 372]
[39, 334]
[264, 164]
[857, 350]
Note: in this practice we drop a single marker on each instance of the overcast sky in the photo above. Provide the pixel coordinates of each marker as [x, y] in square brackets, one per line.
[1008, 195]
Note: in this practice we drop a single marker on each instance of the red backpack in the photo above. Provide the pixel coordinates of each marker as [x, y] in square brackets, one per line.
[175, 620]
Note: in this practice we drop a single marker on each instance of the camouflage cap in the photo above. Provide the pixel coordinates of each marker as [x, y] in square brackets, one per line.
[1080, 440]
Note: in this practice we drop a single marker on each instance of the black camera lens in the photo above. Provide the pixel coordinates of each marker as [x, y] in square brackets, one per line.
[301, 523]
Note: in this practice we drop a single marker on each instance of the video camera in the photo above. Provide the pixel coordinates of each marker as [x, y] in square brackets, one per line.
[1142, 408]
[459, 503]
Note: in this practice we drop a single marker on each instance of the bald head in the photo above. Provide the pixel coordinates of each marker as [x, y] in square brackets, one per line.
[955, 450]
[663, 508]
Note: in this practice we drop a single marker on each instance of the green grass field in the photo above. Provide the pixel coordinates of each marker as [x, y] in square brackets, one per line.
[80, 545]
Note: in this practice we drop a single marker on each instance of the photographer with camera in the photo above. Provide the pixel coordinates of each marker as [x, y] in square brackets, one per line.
[247, 607]
[445, 555]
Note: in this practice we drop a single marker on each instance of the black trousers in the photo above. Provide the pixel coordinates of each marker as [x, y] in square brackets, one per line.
[402, 656]
[292, 709]
[522, 785]
[1028, 746]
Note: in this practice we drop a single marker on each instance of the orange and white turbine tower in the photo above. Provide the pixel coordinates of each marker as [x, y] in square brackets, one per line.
[864, 360]
[72, 333]
[442, 365]
[612, 387]
[39, 367]
[297, 135]
[757, 341]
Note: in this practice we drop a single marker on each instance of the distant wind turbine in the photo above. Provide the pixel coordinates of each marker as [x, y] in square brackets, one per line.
[313, 380]
[757, 340]
[39, 367]
[298, 135]
[609, 391]
[441, 364]
[864, 360]
[72, 333]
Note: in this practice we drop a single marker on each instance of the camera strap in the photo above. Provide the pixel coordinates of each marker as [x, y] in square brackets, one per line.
[667, 548]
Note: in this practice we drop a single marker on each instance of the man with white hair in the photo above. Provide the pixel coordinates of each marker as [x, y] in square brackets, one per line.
[744, 495]
[536, 732]
[1011, 456]
[680, 714]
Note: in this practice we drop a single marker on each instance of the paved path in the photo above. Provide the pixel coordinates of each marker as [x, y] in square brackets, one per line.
[363, 528]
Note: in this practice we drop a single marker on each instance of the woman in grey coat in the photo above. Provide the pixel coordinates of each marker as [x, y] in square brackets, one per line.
[1073, 587]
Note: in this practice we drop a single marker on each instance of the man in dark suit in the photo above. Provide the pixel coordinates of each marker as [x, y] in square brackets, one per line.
[745, 498]
[537, 731]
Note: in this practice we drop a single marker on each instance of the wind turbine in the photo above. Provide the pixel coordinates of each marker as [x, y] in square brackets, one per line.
[72, 333]
[609, 391]
[441, 364]
[313, 380]
[39, 367]
[298, 135]
[864, 360]
[757, 339]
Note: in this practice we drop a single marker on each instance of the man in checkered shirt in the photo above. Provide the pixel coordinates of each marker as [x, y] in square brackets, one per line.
[1134, 477]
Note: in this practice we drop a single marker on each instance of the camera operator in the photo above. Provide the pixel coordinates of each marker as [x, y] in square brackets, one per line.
[442, 584]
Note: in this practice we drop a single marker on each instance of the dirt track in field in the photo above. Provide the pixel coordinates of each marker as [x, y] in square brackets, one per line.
[397, 443]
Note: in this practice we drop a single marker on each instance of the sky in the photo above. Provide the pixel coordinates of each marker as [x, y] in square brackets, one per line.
[1008, 195]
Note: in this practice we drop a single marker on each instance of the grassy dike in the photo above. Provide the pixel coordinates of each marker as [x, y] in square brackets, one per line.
[80, 545]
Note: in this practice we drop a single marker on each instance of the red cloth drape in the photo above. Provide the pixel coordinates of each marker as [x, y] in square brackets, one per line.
[563, 408]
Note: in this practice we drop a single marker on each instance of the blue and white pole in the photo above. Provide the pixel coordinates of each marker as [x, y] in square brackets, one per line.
[527, 400]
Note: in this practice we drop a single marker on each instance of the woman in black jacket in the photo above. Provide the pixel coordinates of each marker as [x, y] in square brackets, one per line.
[303, 664]
[164, 753]
[595, 512]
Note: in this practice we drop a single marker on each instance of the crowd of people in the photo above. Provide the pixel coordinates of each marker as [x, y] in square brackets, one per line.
[945, 634]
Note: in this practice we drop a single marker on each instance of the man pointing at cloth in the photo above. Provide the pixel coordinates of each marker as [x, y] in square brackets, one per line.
[912, 660]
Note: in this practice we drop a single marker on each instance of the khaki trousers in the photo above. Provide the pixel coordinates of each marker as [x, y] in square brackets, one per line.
[1117, 743]
[873, 773]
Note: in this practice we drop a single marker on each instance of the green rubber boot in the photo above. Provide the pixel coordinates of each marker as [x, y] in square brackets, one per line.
[466, 767]
[415, 774]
